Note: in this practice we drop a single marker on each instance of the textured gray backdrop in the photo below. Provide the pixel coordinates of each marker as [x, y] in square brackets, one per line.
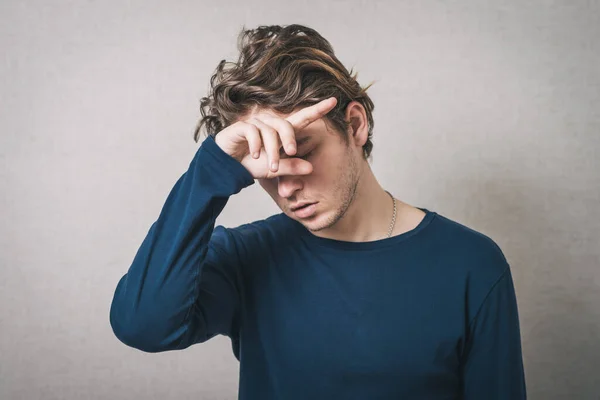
[486, 112]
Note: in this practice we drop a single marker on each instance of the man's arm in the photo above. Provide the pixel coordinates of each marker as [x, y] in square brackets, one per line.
[492, 367]
[183, 284]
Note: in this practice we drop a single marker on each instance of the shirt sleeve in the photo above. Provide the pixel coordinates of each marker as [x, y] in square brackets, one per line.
[492, 366]
[183, 286]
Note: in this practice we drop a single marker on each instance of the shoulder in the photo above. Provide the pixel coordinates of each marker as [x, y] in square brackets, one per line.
[260, 235]
[270, 228]
[472, 260]
[478, 257]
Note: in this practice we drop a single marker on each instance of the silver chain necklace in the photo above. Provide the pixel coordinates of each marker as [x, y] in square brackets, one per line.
[393, 223]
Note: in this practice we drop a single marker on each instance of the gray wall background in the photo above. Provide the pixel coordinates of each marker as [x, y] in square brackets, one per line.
[487, 112]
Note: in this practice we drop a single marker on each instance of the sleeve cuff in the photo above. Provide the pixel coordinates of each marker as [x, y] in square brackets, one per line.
[226, 162]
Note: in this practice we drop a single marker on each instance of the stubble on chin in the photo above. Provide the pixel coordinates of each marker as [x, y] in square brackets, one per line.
[348, 188]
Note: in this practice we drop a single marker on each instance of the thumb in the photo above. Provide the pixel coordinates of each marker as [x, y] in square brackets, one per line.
[293, 166]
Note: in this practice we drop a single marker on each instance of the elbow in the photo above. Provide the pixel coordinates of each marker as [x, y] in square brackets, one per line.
[136, 332]
[147, 334]
[152, 327]
[136, 336]
[130, 326]
[131, 334]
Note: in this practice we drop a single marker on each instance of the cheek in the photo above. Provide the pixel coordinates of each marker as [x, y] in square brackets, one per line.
[325, 170]
[269, 185]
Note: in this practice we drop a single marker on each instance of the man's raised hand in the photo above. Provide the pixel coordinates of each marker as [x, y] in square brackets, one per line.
[256, 142]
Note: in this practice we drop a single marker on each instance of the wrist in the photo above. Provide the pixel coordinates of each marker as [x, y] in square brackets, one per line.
[221, 143]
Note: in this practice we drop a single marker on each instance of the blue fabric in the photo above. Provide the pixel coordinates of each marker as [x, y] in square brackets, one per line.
[428, 314]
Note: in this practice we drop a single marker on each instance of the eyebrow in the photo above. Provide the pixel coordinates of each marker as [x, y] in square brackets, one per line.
[299, 142]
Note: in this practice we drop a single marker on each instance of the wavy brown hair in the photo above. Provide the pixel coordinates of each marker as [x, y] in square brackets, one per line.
[282, 68]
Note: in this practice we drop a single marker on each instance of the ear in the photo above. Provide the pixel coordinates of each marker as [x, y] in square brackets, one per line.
[358, 131]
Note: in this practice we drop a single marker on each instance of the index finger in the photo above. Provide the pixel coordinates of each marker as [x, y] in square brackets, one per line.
[304, 117]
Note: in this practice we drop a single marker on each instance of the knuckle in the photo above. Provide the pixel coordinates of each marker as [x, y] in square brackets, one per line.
[288, 125]
[270, 130]
[254, 128]
[250, 127]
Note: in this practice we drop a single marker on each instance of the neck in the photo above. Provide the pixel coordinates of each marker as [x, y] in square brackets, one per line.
[369, 215]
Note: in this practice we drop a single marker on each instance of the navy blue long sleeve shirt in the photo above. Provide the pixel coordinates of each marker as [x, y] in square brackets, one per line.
[427, 314]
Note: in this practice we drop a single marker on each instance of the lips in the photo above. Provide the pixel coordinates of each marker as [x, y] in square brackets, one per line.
[303, 205]
[307, 211]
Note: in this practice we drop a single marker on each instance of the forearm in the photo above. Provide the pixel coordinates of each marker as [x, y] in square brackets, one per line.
[152, 305]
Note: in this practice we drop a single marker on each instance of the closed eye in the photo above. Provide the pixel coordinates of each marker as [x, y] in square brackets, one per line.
[304, 157]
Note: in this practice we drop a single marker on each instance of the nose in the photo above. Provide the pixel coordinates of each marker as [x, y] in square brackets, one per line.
[288, 184]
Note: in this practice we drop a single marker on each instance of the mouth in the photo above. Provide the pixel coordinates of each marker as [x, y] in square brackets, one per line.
[305, 210]
[297, 208]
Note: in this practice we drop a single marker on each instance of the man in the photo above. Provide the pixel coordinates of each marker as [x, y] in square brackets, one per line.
[349, 293]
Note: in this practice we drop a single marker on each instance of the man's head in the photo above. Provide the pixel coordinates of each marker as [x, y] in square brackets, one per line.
[281, 70]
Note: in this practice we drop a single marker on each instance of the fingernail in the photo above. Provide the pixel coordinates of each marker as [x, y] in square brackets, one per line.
[274, 166]
[291, 147]
[256, 155]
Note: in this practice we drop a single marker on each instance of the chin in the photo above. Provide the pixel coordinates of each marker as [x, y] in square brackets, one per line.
[317, 222]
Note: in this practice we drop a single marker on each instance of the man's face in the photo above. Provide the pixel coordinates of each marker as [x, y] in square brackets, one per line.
[331, 185]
